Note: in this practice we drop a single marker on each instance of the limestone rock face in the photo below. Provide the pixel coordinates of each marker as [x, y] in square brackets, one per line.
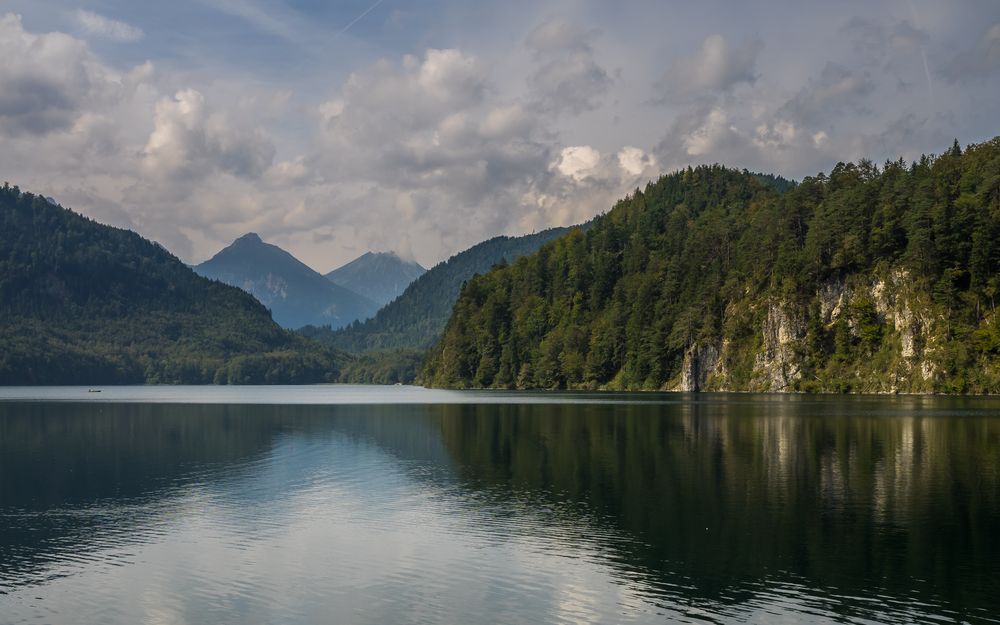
[831, 300]
[892, 305]
[779, 351]
[699, 362]
[776, 365]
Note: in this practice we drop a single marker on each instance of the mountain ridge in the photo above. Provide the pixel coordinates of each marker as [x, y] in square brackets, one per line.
[379, 276]
[414, 320]
[296, 294]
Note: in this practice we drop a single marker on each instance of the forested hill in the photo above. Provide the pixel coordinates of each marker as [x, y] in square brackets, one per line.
[869, 279]
[85, 303]
[416, 318]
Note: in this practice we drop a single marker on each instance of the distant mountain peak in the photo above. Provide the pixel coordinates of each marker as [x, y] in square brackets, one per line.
[294, 292]
[250, 237]
[385, 254]
[380, 276]
[417, 316]
[408, 260]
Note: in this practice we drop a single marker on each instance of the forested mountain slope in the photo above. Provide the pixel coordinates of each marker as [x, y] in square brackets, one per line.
[865, 280]
[416, 318]
[85, 303]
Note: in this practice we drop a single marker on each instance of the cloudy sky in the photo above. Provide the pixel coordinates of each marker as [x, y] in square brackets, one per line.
[334, 128]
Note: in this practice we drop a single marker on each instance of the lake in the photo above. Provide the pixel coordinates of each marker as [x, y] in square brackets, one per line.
[353, 504]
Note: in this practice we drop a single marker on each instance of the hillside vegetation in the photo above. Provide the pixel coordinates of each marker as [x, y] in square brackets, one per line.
[868, 279]
[84, 303]
[415, 319]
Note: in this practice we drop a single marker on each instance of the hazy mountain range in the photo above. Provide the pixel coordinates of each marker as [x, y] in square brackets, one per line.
[379, 276]
[297, 295]
[415, 319]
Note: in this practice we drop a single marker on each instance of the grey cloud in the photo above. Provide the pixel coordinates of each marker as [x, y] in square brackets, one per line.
[898, 138]
[46, 81]
[507, 122]
[981, 61]
[241, 152]
[190, 141]
[384, 102]
[452, 168]
[872, 40]
[716, 67]
[451, 77]
[905, 37]
[571, 83]
[436, 150]
[898, 50]
[556, 35]
[705, 134]
[35, 106]
[835, 92]
[421, 145]
[567, 77]
[867, 38]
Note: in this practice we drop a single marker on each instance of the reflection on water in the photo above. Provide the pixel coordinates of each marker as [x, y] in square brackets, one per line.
[721, 509]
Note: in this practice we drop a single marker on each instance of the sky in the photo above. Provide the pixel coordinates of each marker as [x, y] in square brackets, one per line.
[335, 128]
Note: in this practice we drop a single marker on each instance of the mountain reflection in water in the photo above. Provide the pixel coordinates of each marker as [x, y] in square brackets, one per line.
[720, 508]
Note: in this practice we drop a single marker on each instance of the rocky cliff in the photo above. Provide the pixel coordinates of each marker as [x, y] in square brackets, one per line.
[890, 307]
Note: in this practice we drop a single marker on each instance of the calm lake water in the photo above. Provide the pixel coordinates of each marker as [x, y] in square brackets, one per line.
[399, 505]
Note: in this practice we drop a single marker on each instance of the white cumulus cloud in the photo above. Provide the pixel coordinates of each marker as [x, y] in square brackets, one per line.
[190, 141]
[577, 161]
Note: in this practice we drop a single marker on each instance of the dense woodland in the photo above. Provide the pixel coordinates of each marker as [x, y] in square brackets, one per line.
[84, 303]
[866, 279]
[394, 340]
[398, 366]
[417, 317]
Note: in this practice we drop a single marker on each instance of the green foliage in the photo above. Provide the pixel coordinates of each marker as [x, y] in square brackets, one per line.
[697, 257]
[416, 318]
[391, 367]
[84, 303]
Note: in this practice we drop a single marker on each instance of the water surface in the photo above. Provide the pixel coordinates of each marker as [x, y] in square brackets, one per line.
[400, 505]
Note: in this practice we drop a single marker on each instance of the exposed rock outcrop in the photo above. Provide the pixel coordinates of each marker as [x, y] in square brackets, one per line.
[777, 365]
[700, 361]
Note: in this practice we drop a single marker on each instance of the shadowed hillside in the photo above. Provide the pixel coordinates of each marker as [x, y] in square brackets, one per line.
[84, 303]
